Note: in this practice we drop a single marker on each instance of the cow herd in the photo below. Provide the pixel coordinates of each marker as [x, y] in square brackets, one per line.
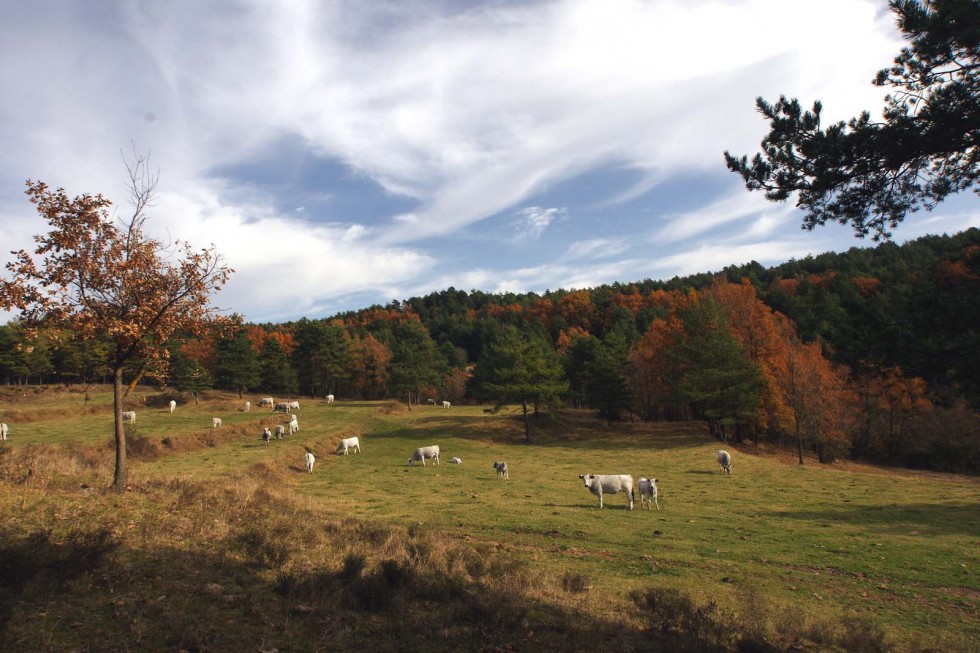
[599, 485]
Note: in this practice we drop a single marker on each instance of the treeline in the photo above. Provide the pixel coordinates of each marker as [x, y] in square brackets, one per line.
[869, 354]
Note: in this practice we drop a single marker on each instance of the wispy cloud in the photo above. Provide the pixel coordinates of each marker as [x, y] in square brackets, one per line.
[533, 220]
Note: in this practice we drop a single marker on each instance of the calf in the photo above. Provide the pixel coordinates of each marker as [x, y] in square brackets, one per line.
[648, 491]
[347, 444]
[422, 453]
[266, 435]
[280, 431]
[455, 460]
[215, 422]
[725, 460]
[502, 471]
[129, 416]
[599, 484]
[310, 459]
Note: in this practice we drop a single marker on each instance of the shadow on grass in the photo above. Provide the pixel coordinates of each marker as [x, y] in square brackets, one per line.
[86, 593]
[922, 518]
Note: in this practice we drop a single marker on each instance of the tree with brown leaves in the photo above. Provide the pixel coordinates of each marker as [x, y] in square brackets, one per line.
[105, 279]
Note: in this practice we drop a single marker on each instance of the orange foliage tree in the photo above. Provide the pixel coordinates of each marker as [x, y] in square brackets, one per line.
[101, 279]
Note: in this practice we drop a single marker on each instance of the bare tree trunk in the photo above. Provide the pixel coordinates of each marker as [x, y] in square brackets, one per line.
[119, 483]
[799, 441]
[527, 423]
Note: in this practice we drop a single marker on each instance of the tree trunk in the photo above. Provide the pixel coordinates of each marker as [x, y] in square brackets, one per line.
[799, 442]
[409, 402]
[119, 482]
[527, 423]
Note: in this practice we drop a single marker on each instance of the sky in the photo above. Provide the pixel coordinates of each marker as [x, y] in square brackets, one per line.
[341, 154]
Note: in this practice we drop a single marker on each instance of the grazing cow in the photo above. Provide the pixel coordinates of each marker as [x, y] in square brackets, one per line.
[293, 425]
[266, 435]
[281, 407]
[502, 471]
[4, 430]
[266, 401]
[173, 406]
[347, 444]
[248, 406]
[292, 405]
[648, 491]
[280, 431]
[599, 484]
[725, 460]
[456, 461]
[129, 416]
[425, 452]
[310, 459]
[431, 402]
[446, 404]
[329, 399]
[215, 422]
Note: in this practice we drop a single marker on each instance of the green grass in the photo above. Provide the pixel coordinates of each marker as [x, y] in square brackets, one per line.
[791, 552]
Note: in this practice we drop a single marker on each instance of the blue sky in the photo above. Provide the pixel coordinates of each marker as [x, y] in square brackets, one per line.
[341, 154]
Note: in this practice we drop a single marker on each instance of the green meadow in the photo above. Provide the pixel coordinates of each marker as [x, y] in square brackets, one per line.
[224, 542]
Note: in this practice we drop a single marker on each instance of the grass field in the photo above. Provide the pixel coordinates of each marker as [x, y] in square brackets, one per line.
[226, 543]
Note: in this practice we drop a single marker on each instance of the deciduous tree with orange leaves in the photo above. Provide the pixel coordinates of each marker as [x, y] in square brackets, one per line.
[100, 278]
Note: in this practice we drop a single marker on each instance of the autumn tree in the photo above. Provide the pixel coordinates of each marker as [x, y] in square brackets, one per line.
[371, 361]
[871, 174]
[96, 278]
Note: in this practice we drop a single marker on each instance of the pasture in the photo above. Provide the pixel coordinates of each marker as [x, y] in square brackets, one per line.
[227, 543]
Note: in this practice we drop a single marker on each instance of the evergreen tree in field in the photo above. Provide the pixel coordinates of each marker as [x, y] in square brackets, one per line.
[236, 363]
[188, 375]
[520, 368]
[722, 384]
[871, 174]
[581, 351]
[277, 374]
[322, 357]
[607, 387]
[416, 361]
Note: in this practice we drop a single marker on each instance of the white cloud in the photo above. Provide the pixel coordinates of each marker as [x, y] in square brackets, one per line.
[533, 220]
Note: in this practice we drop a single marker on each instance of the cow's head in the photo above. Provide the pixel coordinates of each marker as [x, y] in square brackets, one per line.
[587, 479]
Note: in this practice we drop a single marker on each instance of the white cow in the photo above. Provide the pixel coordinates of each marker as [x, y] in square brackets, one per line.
[129, 416]
[215, 422]
[446, 404]
[293, 425]
[248, 406]
[292, 405]
[310, 459]
[502, 471]
[329, 399]
[425, 452]
[173, 405]
[431, 402]
[4, 430]
[266, 401]
[599, 484]
[280, 431]
[648, 491]
[455, 460]
[266, 434]
[725, 460]
[347, 444]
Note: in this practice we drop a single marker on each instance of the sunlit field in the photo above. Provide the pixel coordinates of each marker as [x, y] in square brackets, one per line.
[224, 542]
